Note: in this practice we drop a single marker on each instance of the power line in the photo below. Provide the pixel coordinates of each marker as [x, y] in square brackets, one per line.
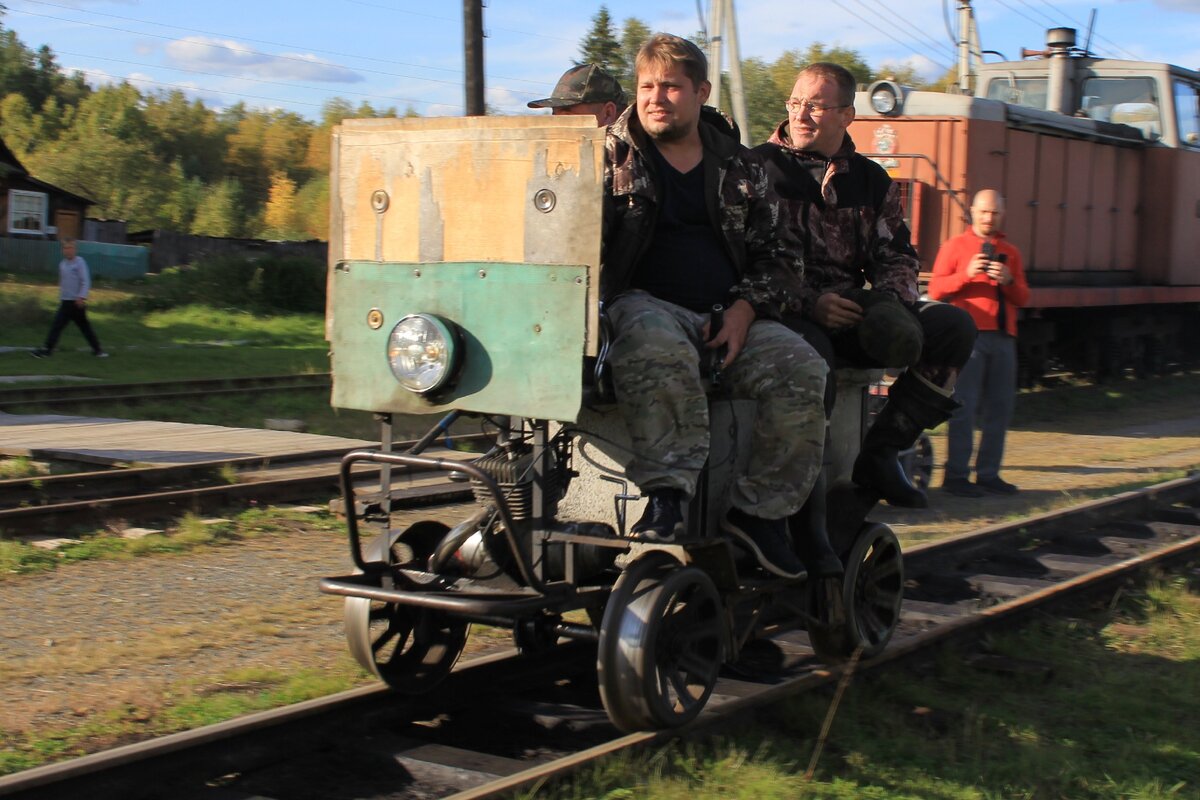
[1116, 48]
[934, 45]
[886, 33]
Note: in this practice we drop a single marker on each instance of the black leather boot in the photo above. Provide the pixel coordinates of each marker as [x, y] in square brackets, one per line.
[810, 535]
[810, 538]
[913, 406]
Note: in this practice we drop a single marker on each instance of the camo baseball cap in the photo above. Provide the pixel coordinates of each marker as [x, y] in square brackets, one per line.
[587, 83]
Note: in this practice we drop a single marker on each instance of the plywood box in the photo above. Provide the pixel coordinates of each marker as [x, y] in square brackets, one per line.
[519, 190]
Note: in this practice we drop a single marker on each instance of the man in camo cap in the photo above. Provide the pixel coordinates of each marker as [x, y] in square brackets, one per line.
[586, 89]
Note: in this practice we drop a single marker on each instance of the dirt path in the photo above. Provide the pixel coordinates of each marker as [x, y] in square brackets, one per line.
[103, 636]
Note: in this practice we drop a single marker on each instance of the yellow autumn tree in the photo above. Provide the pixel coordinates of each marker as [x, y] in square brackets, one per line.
[280, 217]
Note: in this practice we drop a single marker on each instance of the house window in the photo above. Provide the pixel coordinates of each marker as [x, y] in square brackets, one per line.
[26, 212]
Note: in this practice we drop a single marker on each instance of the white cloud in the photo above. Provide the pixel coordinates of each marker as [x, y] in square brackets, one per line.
[205, 53]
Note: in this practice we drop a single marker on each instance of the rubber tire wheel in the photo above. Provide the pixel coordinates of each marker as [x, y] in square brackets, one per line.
[872, 591]
[410, 649]
[661, 646]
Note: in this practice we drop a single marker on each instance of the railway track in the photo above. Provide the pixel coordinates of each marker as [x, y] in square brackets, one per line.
[157, 390]
[41, 504]
[499, 723]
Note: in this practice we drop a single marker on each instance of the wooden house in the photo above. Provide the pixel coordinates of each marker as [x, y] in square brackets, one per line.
[30, 208]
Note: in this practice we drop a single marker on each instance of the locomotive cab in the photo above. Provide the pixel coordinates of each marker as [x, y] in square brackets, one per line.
[463, 281]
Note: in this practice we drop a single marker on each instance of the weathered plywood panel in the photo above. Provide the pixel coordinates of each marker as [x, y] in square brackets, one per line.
[468, 189]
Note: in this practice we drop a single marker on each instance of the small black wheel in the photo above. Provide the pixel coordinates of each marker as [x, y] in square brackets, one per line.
[918, 462]
[410, 649]
[534, 635]
[872, 591]
[661, 646]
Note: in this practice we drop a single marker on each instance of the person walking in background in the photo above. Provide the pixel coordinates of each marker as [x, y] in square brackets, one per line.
[74, 283]
[586, 89]
[981, 272]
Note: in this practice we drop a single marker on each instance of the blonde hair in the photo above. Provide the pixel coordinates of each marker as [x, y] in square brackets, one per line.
[665, 50]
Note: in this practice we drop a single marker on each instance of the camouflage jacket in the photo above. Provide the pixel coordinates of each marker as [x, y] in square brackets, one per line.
[851, 223]
[745, 212]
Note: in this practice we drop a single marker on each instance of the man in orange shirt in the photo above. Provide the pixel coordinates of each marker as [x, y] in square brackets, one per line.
[981, 272]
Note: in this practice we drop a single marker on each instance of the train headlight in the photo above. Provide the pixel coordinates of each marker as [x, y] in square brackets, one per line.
[423, 352]
[886, 97]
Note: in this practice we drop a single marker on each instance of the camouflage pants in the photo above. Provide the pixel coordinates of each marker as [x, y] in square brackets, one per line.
[656, 360]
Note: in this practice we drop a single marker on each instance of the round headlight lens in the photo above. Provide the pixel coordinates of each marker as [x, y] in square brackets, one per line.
[421, 353]
[883, 100]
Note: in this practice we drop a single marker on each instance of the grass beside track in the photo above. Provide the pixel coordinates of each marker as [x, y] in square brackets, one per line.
[1102, 705]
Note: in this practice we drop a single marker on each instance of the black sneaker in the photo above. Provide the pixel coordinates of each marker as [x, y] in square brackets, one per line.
[662, 520]
[961, 487]
[767, 541]
[996, 485]
[40, 352]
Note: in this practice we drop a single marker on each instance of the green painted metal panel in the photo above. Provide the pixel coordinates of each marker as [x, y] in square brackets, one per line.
[524, 328]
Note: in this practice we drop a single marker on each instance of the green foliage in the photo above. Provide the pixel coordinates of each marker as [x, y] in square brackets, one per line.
[279, 283]
[601, 46]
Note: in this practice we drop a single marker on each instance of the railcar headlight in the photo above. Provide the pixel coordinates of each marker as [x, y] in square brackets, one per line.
[886, 97]
[423, 352]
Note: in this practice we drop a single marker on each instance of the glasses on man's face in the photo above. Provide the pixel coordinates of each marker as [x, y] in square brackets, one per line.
[815, 110]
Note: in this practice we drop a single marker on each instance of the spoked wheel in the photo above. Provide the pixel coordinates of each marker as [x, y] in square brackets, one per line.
[662, 645]
[918, 462]
[872, 592]
[411, 649]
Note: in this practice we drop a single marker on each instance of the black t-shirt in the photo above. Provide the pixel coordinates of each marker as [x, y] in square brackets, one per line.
[686, 263]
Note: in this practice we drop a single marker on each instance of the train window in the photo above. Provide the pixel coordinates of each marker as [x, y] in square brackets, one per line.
[1129, 101]
[1187, 112]
[1029, 92]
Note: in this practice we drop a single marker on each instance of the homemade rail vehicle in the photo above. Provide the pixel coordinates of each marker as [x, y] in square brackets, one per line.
[463, 280]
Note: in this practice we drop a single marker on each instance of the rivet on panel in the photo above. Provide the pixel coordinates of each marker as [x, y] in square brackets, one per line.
[544, 200]
[537, 328]
[483, 273]
[375, 319]
[379, 201]
[416, 273]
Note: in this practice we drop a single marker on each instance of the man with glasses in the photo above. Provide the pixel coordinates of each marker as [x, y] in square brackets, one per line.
[848, 215]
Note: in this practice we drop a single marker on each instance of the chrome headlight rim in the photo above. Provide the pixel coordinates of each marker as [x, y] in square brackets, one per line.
[438, 356]
[885, 97]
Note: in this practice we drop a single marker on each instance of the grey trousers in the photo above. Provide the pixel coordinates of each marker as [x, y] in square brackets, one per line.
[987, 388]
[656, 358]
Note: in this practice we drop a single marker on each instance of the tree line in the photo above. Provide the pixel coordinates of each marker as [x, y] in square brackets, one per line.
[158, 160]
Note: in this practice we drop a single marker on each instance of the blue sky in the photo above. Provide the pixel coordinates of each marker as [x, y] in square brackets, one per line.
[297, 54]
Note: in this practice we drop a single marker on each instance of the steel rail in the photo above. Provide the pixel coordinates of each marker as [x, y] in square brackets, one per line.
[149, 390]
[1152, 526]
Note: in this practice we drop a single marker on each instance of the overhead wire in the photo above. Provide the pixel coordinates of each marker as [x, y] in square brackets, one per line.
[933, 44]
[886, 33]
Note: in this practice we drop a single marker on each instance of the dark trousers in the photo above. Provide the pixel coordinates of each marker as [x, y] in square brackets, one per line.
[69, 312]
[987, 389]
[948, 330]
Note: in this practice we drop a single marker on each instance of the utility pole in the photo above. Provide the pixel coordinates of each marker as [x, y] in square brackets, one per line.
[473, 56]
[966, 22]
[722, 25]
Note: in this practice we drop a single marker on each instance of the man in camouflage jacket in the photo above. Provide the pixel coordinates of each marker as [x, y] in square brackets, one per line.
[847, 211]
[690, 224]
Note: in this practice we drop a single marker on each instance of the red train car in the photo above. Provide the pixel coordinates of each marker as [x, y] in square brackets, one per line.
[1099, 160]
